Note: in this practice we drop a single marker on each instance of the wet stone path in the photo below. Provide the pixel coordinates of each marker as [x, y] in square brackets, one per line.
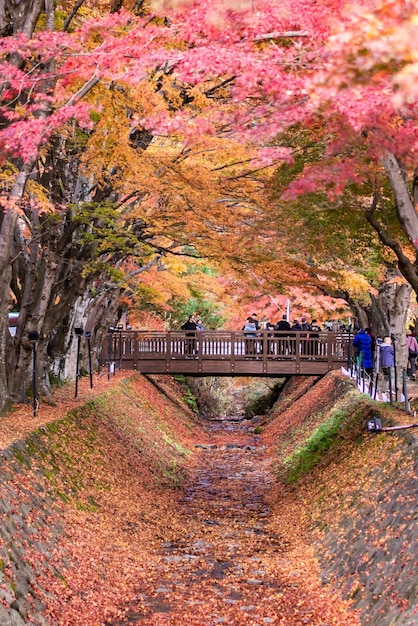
[226, 567]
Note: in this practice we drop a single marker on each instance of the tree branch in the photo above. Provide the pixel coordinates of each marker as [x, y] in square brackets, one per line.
[407, 269]
[83, 90]
[145, 267]
[225, 82]
[281, 35]
[71, 14]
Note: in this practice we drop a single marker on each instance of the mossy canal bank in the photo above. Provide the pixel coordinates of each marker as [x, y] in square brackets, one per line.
[132, 510]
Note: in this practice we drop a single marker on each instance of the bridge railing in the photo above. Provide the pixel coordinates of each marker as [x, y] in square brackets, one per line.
[136, 346]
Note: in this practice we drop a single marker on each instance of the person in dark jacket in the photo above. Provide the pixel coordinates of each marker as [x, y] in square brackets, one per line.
[283, 324]
[293, 344]
[363, 346]
[190, 343]
[412, 345]
[283, 344]
[314, 338]
[373, 338]
[296, 325]
[305, 345]
[255, 320]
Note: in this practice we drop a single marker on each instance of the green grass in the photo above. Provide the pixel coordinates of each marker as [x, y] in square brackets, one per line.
[322, 439]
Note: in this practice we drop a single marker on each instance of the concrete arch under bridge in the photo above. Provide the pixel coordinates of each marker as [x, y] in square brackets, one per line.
[227, 353]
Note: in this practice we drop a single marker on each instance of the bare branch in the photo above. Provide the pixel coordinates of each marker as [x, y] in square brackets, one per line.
[71, 14]
[407, 269]
[281, 35]
[145, 267]
[225, 82]
[84, 90]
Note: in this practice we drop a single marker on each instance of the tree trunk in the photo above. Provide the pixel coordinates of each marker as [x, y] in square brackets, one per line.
[392, 303]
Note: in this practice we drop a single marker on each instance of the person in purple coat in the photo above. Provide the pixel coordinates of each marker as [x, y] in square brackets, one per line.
[387, 361]
[363, 346]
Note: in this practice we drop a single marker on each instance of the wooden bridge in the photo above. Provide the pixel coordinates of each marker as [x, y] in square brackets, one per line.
[224, 353]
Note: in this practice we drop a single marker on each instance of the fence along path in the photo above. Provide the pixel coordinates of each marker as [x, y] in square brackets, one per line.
[217, 353]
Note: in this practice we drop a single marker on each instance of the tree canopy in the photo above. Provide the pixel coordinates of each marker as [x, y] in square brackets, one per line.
[134, 131]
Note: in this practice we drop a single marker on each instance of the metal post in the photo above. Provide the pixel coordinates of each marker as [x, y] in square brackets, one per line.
[394, 365]
[109, 351]
[115, 341]
[87, 335]
[78, 332]
[120, 329]
[377, 369]
[390, 386]
[405, 391]
[34, 337]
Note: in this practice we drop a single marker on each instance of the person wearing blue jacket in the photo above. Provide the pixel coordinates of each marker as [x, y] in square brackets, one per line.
[363, 346]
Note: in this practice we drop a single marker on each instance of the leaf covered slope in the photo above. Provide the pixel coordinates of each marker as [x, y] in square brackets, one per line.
[355, 492]
[85, 501]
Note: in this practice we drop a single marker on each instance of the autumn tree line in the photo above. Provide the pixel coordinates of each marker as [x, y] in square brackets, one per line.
[277, 140]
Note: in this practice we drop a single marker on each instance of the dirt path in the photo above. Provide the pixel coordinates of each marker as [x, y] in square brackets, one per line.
[232, 564]
[20, 421]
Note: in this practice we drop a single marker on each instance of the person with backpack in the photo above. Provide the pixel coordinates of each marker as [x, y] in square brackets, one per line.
[412, 346]
[255, 320]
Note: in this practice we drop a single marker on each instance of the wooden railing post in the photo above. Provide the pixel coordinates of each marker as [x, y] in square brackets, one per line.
[135, 351]
[199, 339]
[264, 348]
[297, 351]
[331, 343]
[167, 351]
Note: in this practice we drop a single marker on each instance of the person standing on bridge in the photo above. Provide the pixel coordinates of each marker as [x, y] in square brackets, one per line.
[255, 320]
[283, 343]
[250, 333]
[314, 338]
[283, 324]
[190, 343]
[304, 337]
[200, 325]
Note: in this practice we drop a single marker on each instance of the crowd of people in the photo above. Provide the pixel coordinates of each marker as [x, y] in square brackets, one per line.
[374, 356]
[252, 326]
[253, 329]
[370, 353]
[371, 356]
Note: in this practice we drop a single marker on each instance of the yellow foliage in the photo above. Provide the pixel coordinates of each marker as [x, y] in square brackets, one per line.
[355, 284]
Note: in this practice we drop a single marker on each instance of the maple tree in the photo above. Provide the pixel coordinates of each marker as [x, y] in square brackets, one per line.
[354, 103]
[93, 198]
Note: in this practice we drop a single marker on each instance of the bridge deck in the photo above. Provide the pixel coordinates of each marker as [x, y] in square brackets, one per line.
[223, 353]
